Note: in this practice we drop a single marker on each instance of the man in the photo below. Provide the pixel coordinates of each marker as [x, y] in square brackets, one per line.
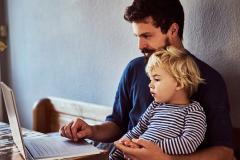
[157, 24]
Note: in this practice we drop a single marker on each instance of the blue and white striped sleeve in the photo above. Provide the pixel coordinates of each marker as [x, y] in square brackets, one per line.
[192, 136]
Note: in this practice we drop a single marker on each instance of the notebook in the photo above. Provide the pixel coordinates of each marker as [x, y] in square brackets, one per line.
[44, 147]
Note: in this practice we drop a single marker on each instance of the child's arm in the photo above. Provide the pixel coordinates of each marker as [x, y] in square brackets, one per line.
[191, 138]
[138, 129]
[143, 122]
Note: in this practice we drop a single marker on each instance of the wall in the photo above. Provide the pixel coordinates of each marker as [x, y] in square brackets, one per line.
[74, 49]
[77, 49]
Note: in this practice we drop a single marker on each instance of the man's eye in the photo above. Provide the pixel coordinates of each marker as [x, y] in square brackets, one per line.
[156, 79]
[146, 36]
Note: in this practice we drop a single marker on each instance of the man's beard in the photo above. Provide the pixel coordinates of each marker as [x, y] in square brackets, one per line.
[147, 52]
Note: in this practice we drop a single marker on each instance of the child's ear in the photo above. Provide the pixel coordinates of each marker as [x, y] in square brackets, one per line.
[179, 86]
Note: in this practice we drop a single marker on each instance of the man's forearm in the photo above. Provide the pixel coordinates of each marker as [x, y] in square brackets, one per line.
[106, 132]
[212, 153]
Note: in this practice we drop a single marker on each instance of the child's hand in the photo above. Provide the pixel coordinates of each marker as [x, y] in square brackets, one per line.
[130, 143]
[126, 142]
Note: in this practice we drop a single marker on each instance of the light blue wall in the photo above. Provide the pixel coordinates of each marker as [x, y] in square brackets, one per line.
[74, 49]
[77, 49]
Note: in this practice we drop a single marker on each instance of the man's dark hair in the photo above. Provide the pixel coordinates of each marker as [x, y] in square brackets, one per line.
[163, 12]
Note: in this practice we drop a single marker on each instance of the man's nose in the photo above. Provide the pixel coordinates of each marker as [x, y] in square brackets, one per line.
[141, 43]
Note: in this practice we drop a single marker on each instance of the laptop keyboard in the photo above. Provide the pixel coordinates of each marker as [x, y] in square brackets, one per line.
[47, 147]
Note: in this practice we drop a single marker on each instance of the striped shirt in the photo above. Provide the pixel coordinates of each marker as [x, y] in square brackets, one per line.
[176, 129]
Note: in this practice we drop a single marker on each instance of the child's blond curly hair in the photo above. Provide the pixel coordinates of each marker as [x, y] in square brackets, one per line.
[179, 65]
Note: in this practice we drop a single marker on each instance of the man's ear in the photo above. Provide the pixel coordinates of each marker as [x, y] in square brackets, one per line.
[173, 30]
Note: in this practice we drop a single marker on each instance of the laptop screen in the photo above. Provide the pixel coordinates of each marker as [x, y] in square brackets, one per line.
[10, 105]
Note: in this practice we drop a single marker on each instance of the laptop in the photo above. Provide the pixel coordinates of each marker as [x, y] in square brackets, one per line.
[44, 147]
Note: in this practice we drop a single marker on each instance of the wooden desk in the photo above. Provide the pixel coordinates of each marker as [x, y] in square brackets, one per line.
[9, 151]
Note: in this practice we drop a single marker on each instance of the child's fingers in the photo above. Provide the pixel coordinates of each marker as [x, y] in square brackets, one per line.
[131, 144]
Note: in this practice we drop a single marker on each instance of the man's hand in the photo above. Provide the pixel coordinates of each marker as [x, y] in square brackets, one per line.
[76, 129]
[147, 150]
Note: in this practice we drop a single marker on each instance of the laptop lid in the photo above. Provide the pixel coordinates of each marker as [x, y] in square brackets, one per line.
[14, 122]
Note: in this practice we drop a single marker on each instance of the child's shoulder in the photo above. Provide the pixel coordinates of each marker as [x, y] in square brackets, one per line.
[194, 106]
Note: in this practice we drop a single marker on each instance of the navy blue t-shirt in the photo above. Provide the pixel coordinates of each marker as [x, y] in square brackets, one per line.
[133, 97]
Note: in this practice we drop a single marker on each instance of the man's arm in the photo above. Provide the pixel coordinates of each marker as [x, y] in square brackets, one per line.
[106, 132]
[151, 151]
[211, 153]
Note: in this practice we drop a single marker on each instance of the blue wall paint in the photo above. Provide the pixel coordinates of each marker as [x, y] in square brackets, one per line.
[77, 49]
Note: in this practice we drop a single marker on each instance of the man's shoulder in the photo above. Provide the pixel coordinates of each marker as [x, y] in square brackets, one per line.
[137, 61]
[134, 68]
[136, 64]
[210, 74]
[207, 72]
[213, 92]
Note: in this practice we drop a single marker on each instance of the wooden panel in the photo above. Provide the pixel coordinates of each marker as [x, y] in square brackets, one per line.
[51, 113]
[41, 116]
[78, 108]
